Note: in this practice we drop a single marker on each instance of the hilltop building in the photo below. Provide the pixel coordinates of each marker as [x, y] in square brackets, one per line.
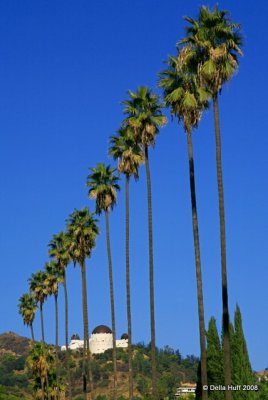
[185, 390]
[101, 340]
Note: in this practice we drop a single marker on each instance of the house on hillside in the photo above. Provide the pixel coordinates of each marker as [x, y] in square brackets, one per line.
[185, 390]
[261, 375]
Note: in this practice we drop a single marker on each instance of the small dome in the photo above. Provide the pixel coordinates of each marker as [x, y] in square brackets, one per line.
[124, 336]
[101, 329]
[75, 337]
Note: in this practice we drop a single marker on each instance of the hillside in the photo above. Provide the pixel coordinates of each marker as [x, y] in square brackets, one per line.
[15, 380]
[10, 341]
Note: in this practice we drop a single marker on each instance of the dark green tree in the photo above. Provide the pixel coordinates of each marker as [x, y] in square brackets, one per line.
[214, 360]
[242, 373]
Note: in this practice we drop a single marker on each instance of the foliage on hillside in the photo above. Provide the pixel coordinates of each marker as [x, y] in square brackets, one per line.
[16, 380]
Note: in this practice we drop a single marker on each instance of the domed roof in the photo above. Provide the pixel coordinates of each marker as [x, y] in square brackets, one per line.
[75, 337]
[124, 336]
[101, 329]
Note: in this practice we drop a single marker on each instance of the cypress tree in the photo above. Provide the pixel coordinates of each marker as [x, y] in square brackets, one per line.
[241, 368]
[214, 360]
[232, 346]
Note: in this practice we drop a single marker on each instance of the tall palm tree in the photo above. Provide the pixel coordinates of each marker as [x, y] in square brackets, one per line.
[54, 277]
[125, 150]
[83, 229]
[214, 41]
[144, 115]
[103, 187]
[39, 292]
[27, 308]
[59, 250]
[186, 101]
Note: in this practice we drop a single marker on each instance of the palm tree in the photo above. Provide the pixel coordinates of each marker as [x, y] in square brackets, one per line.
[39, 291]
[54, 277]
[39, 362]
[102, 183]
[214, 42]
[52, 281]
[144, 115]
[187, 101]
[27, 308]
[59, 250]
[124, 148]
[83, 229]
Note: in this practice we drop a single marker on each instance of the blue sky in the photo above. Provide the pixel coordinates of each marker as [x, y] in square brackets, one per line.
[65, 67]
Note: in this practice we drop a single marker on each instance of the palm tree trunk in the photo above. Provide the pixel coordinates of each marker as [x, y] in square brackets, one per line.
[47, 387]
[57, 342]
[32, 332]
[56, 323]
[151, 273]
[85, 322]
[43, 389]
[66, 310]
[67, 333]
[111, 298]
[225, 313]
[130, 373]
[87, 372]
[42, 322]
[202, 332]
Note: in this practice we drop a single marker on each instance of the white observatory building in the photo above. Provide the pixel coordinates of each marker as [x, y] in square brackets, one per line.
[101, 340]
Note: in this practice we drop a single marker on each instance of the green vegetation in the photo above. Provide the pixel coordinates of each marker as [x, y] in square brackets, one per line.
[214, 359]
[20, 374]
[242, 373]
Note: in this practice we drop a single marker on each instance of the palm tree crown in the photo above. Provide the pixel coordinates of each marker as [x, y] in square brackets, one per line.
[103, 187]
[54, 277]
[59, 248]
[214, 42]
[124, 148]
[27, 307]
[83, 229]
[144, 115]
[182, 93]
[38, 286]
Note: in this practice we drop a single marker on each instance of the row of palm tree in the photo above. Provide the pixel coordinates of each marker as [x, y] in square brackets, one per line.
[206, 58]
[76, 244]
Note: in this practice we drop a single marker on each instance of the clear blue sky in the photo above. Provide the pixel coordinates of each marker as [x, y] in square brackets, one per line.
[65, 66]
